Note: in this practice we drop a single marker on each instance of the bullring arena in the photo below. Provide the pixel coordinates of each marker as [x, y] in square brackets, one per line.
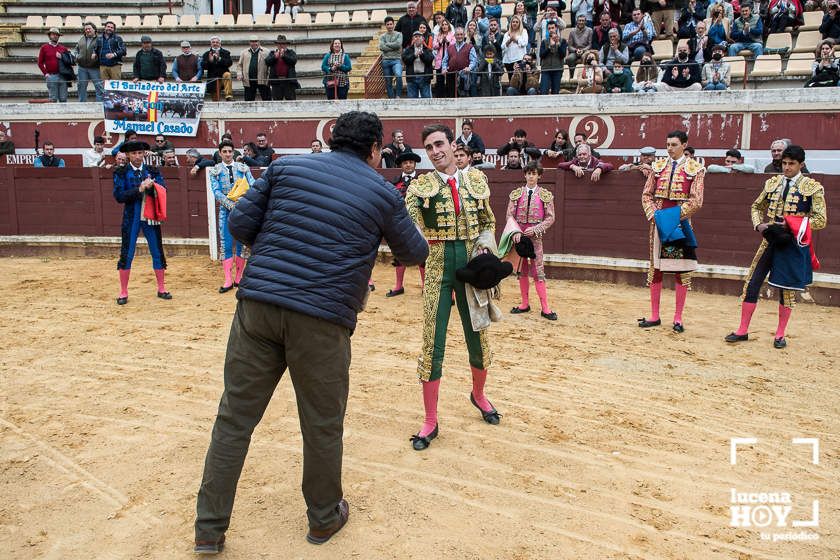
[615, 442]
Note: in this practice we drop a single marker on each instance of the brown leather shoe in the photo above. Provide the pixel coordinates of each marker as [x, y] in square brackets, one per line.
[320, 536]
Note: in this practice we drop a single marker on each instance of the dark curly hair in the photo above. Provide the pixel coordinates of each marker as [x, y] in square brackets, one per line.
[795, 153]
[356, 132]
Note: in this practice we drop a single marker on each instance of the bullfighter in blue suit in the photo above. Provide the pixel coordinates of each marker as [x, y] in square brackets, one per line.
[133, 185]
[222, 179]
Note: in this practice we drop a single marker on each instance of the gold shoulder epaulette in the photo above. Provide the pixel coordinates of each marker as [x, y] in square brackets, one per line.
[809, 186]
[546, 195]
[772, 183]
[659, 164]
[516, 194]
[693, 167]
[477, 184]
[424, 186]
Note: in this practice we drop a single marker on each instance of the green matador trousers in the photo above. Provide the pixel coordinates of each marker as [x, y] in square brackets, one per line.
[445, 257]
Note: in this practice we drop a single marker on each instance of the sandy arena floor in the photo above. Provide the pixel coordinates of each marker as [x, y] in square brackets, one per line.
[614, 441]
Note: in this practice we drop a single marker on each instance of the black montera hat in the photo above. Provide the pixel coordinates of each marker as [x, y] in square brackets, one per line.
[407, 156]
[525, 248]
[484, 271]
[134, 146]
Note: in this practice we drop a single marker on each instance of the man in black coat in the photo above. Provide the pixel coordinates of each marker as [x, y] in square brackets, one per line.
[314, 223]
[148, 62]
[281, 70]
[409, 23]
[217, 61]
[519, 140]
[456, 14]
[418, 60]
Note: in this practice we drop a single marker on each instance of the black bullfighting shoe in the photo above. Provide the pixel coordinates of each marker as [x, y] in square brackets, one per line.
[420, 443]
[732, 337]
[491, 417]
[644, 323]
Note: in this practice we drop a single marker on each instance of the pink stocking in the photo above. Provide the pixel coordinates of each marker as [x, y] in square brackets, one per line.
[422, 276]
[124, 274]
[543, 294]
[240, 269]
[747, 310]
[400, 276]
[682, 292]
[431, 389]
[227, 266]
[479, 377]
[524, 284]
[159, 275]
[784, 317]
[655, 293]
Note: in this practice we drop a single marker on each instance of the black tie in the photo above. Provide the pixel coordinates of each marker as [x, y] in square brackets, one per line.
[406, 179]
[528, 205]
[673, 169]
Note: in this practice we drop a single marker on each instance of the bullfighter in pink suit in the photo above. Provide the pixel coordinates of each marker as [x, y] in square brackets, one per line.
[530, 212]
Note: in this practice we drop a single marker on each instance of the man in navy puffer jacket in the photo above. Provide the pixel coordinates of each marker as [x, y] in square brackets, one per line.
[314, 224]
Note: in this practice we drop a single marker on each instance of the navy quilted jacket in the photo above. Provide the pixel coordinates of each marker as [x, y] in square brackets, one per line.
[314, 223]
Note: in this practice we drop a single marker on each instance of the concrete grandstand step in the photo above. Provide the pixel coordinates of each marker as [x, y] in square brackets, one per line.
[393, 7]
[91, 7]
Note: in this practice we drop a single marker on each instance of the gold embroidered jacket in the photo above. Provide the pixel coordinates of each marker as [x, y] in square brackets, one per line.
[685, 187]
[429, 203]
[806, 197]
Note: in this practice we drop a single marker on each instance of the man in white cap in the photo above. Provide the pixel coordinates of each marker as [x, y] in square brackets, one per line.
[148, 62]
[641, 163]
[253, 71]
[48, 61]
[187, 66]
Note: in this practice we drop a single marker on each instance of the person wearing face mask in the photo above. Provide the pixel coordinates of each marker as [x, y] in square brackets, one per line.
[716, 73]
[681, 73]
[646, 75]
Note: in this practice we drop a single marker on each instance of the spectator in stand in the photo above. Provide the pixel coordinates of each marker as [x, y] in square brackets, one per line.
[615, 51]
[187, 66]
[95, 157]
[747, 33]
[601, 33]
[419, 62]
[470, 139]
[825, 71]
[700, 46]
[437, 18]
[661, 14]
[263, 153]
[474, 38]
[613, 7]
[6, 145]
[647, 75]
[560, 147]
[552, 55]
[732, 163]
[514, 45]
[395, 149]
[726, 10]
[514, 159]
[459, 60]
[591, 79]
[84, 53]
[336, 66]
[249, 155]
[541, 27]
[441, 43]
[196, 162]
[148, 62]
[493, 9]
[580, 138]
[638, 34]
[294, 7]
[719, 25]
[282, 76]
[776, 150]
[619, 81]
[463, 157]
[390, 45]
[317, 146]
[526, 77]
[488, 74]
[525, 18]
[782, 14]
[110, 50]
[580, 40]
[48, 158]
[690, 16]
[531, 7]
[480, 19]
[169, 159]
[642, 164]
[276, 6]
[584, 8]
[49, 57]
[584, 162]
[493, 37]
[427, 38]
[128, 137]
[519, 140]
[830, 26]
[689, 152]
[217, 62]
[409, 23]
[253, 71]
[161, 145]
[681, 73]
[456, 14]
[716, 73]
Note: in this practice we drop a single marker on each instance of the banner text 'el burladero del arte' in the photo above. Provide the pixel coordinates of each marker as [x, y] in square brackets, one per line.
[149, 108]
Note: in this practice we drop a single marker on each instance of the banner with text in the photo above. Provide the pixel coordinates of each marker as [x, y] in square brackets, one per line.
[171, 109]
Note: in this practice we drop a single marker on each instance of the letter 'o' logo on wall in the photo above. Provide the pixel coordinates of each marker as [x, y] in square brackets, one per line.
[599, 129]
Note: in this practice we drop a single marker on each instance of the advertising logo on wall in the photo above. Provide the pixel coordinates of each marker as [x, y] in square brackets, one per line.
[172, 109]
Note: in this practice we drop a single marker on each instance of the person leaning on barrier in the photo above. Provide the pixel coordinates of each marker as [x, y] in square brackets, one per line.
[732, 163]
[642, 164]
[584, 162]
[6, 145]
[48, 157]
[95, 157]
[217, 62]
[289, 317]
[196, 162]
